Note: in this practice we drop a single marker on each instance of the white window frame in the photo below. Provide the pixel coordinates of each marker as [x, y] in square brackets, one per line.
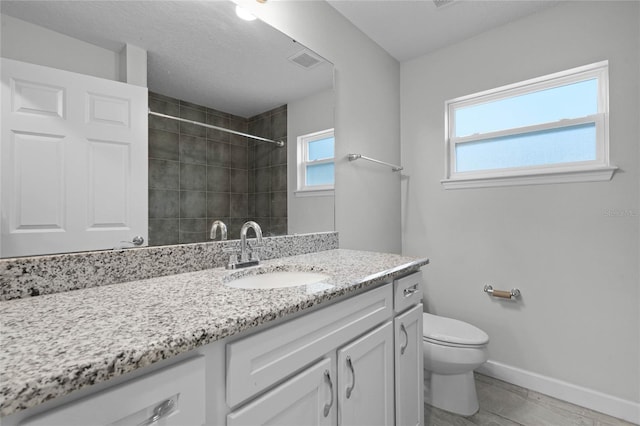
[303, 147]
[595, 170]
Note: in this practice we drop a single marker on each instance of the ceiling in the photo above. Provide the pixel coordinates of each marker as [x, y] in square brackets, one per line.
[409, 29]
[201, 52]
[198, 51]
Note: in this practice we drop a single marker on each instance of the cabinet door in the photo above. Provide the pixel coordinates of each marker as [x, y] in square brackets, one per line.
[408, 363]
[365, 379]
[306, 399]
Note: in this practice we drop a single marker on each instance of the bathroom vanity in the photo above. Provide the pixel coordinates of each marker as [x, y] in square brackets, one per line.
[189, 349]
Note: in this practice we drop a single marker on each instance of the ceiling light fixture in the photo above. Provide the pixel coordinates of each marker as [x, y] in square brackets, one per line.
[244, 14]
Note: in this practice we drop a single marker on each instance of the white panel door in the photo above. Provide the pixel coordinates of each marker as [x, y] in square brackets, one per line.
[73, 161]
[408, 363]
[306, 399]
[365, 379]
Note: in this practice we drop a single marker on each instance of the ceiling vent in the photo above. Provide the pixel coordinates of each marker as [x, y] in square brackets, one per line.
[441, 3]
[306, 59]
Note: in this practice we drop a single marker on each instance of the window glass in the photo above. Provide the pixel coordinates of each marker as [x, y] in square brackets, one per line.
[554, 104]
[320, 174]
[320, 149]
[562, 145]
[316, 155]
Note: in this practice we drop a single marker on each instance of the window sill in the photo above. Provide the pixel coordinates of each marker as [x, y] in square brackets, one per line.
[586, 175]
[314, 193]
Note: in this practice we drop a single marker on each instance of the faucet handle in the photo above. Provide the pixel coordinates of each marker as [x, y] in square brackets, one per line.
[233, 256]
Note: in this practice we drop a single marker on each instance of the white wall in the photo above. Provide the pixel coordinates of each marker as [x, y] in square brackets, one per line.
[307, 213]
[31, 43]
[576, 265]
[367, 120]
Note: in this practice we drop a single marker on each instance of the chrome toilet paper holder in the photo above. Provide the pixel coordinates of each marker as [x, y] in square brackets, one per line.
[504, 294]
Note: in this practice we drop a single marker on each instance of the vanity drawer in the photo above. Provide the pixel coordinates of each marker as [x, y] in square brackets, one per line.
[261, 360]
[174, 395]
[407, 291]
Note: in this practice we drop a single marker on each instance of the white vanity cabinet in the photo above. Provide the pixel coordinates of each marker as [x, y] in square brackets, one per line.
[357, 362]
[407, 324]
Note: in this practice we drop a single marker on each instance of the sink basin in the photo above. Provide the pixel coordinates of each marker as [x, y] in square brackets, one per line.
[277, 279]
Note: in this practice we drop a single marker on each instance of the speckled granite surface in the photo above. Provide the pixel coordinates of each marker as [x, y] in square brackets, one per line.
[52, 345]
[33, 276]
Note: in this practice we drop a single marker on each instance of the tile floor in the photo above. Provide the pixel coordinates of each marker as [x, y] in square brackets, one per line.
[504, 404]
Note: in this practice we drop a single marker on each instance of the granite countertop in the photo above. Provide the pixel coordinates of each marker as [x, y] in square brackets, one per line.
[54, 344]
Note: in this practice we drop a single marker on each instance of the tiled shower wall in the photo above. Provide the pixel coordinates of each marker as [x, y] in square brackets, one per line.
[198, 175]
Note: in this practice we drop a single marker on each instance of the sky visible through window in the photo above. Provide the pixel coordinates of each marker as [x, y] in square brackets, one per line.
[571, 101]
[563, 145]
[320, 149]
[320, 174]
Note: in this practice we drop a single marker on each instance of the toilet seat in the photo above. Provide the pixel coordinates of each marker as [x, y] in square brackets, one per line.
[451, 332]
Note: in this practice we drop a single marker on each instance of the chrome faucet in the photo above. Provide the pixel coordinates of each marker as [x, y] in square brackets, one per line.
[214, 229]
[244, 255]
[245, 260]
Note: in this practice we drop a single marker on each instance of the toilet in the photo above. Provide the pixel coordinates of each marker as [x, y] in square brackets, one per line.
[452, 350]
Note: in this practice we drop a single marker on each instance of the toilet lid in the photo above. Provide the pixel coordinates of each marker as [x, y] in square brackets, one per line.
[451, 331]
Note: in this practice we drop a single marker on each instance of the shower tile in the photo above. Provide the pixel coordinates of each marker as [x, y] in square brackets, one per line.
[278, 204]
[233, 227]
[263, 154]
[193, 177]
[193, 204]
[219, 121]
[164, 107]
[165, 98]
[238, 157]
[193, 225]
[238, 179]
[163, 203]
[263, 180]
[193, 149]
[238, 124]
[193, 237]
[217, 179]
[164, 174]
[251, 181]
[263, 204]
[251, 205]
[217, 154]
[163, 232]
[217, 204]
[279, 155]
[279, 178]
[166, 124]
[193, 115]
[185, 104]
[261, 126]
[279, 124]
[163, 145]
[238, 205]
[278, 225]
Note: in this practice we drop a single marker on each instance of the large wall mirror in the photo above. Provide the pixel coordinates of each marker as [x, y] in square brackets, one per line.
[205, 65]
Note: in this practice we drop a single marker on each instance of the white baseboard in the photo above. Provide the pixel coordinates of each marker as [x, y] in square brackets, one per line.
[588, 398]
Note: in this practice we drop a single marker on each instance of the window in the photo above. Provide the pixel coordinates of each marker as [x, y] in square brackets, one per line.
[546, 130]
[316, 154]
